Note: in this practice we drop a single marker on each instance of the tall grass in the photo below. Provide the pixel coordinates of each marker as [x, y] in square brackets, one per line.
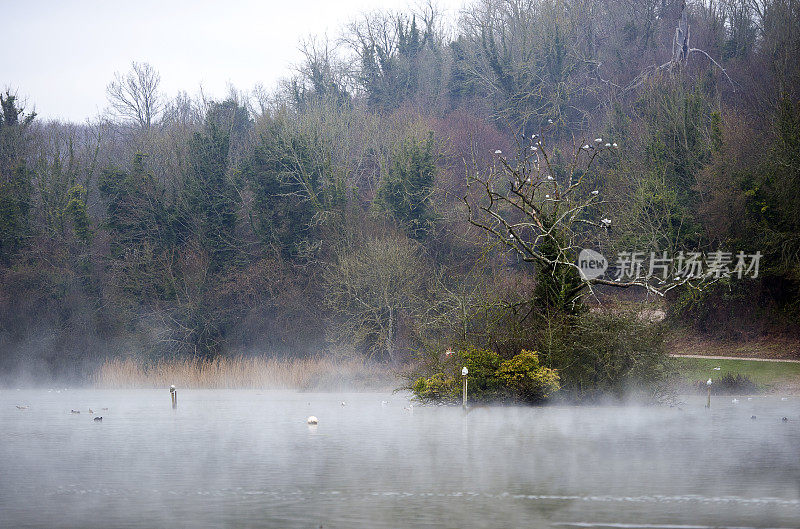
[240, 372]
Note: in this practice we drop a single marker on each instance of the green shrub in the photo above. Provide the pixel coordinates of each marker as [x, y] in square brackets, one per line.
[609, 353]
[482, 365]
[729, 384]
[526, 379]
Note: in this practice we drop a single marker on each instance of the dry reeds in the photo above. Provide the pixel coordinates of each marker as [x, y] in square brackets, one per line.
[245, 372]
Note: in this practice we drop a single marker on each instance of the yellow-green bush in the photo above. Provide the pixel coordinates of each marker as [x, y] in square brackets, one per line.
[489, 378]
[436, 388]
[526, 379]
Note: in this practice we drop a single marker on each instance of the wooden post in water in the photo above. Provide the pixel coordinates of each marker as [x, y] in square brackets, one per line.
[708, 385]
[464, 372]
[174, 394]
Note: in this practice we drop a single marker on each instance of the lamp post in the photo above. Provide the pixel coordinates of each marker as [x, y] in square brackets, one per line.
[464, 372]
[708, 385]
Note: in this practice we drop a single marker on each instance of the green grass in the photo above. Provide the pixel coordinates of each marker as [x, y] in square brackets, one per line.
[762, 373]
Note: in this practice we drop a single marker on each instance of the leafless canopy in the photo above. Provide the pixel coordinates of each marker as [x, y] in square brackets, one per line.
[134, 96]
[547, 212]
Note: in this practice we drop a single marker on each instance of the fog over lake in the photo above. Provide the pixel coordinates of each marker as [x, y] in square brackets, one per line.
[248, 459]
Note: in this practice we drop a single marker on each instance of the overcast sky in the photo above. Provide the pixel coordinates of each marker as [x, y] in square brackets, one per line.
[60, 55]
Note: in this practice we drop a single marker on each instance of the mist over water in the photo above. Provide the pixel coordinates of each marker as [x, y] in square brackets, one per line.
[248, 458]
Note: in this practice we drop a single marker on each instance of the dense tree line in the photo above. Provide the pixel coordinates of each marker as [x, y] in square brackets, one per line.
[328, 215]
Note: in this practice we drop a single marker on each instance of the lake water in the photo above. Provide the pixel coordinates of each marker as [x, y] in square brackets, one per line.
[248, 459]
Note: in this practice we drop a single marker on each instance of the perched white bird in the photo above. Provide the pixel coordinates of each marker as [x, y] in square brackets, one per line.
[608, 145]
[595, 192]
[534, 148]
[615, 145]
[312, 420]
[717, 368]
[606, 222]
[708, 382]
[598, 140]
[550, 121]
[498, 151]
[549, 177]
[586, 147]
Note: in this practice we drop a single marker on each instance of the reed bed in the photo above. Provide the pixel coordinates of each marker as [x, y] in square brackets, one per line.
[245, 372]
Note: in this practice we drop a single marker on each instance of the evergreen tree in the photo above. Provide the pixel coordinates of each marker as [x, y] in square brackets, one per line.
[406, 189]
[212, 198]
[287, 173]
[15, 177]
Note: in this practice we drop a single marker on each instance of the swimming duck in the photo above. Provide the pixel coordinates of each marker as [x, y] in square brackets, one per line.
[98, 419]
[74, 411]
[312, 420]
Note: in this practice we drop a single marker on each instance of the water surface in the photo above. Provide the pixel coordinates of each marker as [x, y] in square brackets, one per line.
[248, 459]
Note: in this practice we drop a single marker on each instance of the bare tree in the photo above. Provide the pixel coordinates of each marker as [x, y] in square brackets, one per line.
[135, 96]
[545, 211]
[371, 291]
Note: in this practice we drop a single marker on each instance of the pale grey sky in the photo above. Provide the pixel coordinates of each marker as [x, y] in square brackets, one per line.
[60, 55]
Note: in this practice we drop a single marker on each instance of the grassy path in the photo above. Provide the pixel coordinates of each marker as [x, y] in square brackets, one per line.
[714, 357]
[764, 372]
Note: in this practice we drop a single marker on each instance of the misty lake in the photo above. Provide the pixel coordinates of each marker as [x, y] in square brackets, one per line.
[248, 459]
